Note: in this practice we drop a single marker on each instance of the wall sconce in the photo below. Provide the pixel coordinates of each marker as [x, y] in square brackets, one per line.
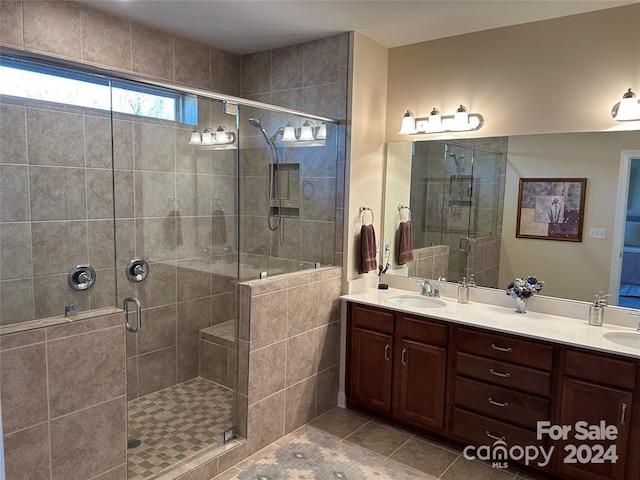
[221, 137]
[627, 109]
[461, 121]
[308, 132]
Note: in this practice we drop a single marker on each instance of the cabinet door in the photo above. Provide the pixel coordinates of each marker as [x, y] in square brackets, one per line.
[370, 376]
[422, 384]
[591, 403]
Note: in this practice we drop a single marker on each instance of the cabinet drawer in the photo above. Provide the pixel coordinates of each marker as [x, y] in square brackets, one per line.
[507, 348]
[425, 331]
[372, 319]
[505, 374]
[481, 430]
[601, 369]
[501, 403]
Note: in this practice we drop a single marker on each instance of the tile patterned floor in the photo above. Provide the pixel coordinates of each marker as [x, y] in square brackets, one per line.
[176, 423]
[397, 450]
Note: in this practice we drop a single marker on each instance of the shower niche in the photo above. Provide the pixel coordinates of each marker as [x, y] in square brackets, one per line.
[285, 190]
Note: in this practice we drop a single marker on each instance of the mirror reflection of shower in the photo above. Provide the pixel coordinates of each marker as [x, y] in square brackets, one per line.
[455, 194]
[273, 221]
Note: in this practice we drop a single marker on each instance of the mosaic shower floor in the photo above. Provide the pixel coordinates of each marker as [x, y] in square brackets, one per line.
[176, 423]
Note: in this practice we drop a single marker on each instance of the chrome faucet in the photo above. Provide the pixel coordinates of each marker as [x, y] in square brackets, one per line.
[428, 290]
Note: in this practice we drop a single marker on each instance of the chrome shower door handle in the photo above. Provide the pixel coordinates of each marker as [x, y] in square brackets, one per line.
[464, 245]
[125, 307]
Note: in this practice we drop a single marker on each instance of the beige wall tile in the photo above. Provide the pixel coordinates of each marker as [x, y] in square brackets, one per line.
[16, 297]
[318, 199]
[52, 292]
[191, 62]
[53, 27]
[156, 239]
[27, 453]
[152, 51]
[225, 72]
[132, 378]
[329, 292]
[154, 194]
[321, 61]
[66, 128]
[86, 326]
[159, 328]
[13, 141]
[101, 243]
[15, 251]
[153, 147]
[223, 308]
[188, 367]
[287, 70]
[265, 422]
[193, 316]
[156, 370]
[194, 279]
[268, 318]
[58, 246]
[329, 346]
[98, 377]
[87, 443]
[21, 339]
[106, 39]
[99, 193]
[256, 73]
[214, 362]
[267, 371]
[24, 387]
[232, 457]
[327, 389]
[11, 23]
[14, 193]
[60, 194]
[318, 238]
[303, 309]
[302, 361]
[300, 404]
[117, 473]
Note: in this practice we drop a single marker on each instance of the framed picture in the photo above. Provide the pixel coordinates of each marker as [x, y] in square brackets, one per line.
[551, 208]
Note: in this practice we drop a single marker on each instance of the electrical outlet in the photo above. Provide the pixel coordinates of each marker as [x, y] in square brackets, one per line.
[598, 233]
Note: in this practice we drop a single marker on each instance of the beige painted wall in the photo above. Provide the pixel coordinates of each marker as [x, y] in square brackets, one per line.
[366, 155]
[570, 269]
[560, 75]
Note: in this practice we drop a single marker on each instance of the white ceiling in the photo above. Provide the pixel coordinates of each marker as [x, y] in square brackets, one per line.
[248, 26]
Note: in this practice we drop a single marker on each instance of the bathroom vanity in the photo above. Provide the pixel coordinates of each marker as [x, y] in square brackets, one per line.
[480, 374]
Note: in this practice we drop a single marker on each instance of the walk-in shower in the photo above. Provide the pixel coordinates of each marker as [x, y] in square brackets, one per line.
[456, 200]
[127, 203]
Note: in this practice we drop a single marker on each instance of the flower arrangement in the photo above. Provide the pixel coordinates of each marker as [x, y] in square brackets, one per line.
[524, 287]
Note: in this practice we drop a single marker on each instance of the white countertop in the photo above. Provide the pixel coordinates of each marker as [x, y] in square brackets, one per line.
[543, 326]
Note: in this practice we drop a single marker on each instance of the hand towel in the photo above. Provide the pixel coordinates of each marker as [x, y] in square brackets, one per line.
[218, 228]
[367, 257]
[405, 243]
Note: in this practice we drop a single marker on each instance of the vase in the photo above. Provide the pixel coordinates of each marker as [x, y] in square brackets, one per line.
[521, 305]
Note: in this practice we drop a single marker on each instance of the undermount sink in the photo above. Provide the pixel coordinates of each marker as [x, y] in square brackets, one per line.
[416, 301]
[628, 339]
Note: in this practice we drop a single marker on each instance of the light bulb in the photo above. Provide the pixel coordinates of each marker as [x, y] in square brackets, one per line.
[289, 134]
[322, 132]
[221, 135]
[461, 119]
[408, 124]
[207, 138]
[195, 139]
[628, 108]
[306, 134]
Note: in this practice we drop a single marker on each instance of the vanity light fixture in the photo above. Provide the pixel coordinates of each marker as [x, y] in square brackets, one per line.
[221, 137]
[307, 133]
[627, 109]
[461, 121]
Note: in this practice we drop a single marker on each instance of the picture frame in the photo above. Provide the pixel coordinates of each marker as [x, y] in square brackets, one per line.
[551, 208]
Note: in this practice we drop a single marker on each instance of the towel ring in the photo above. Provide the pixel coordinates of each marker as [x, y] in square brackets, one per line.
[218, 202]
[404, 207]
[363, 210]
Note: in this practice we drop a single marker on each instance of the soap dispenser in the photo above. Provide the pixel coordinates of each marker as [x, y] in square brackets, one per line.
[463, 291]
[596, 311]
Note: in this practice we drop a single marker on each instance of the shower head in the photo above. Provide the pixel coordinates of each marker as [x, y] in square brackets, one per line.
[256, 123]
[456, 158]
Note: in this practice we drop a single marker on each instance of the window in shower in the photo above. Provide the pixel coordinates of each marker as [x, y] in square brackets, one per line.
[37, 81]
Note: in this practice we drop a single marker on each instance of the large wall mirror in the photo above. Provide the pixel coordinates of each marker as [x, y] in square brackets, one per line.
[462, 199]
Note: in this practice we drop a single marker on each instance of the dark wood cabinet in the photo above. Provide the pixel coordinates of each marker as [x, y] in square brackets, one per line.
[397, 366]
[471, 385]
[592, 403]
[371, 370]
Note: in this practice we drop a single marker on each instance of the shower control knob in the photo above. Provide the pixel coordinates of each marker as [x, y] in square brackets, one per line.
[81, 277]
[137, 270]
